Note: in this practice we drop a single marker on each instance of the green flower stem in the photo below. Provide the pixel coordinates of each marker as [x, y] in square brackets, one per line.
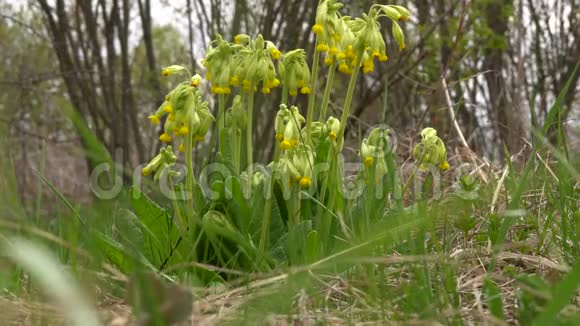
[325, 219]
[348, 102]
[296, 218]
[312, 95]
[412, 176]
[285, 93]
[249, 147]
[221, 112]
[326, 96]
[182, 223]
[189, 177]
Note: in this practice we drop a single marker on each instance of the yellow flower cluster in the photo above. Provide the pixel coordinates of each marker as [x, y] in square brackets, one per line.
[220, 64]
[296, 165]
[294, 72]
[287, 126]
[344, 40]
[431, 150]
[255, 65]
[373, 151]
[160, 163]
[326, 25]
[187, 114]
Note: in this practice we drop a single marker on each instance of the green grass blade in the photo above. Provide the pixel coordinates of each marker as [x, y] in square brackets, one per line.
[43, 266]
[561, 295]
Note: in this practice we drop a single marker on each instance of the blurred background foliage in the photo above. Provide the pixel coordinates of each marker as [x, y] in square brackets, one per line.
[504, 63]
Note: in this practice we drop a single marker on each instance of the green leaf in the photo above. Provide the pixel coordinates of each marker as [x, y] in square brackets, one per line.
[160, 233]
[94, 149]
[556, 109]
[312, 247]
[493, 298]
[226, 149]
[562, 293]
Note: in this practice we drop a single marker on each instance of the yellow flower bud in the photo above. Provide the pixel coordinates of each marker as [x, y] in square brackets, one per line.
[367, 68]
[276, 54]
[168, 108]
[285, 145]
[444, 166]
[265, 90]
[171, 70]
[344, 68]
[195, 80]
[369, 160]
[241, 39]
[146, 171]
[399, 36]
[182, 131]
[154, 119]
[333, 50]
[165, 137]
[235, 81]
[305, 90]
[317, 29]
[305, 182]
[322, 47]
[328, 61]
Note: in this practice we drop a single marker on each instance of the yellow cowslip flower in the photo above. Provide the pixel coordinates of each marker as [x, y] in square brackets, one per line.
[234, 81]
[272, 83]
[373, 151]
[165, 137]
[317, 29]
[170, 70]
[195, 80]
[182, 131]
[321, 47]
[276, 54]
[287, 126]
[254, 65]
[164, 160]
[241, 39]
[154, 119]
[431, 150]
[373, 158]
[345, 69]
[326, 23]
[333, 127]
[328, 60]
[305, 182]
[399, 36]
[188, 114]
[294, 71]
[220, 62]
[296, 165]
[305, 90]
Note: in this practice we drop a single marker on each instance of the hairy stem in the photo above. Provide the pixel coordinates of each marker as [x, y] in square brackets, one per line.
[326, 96]
[311, 96]
[249, 147]
[348, 102]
